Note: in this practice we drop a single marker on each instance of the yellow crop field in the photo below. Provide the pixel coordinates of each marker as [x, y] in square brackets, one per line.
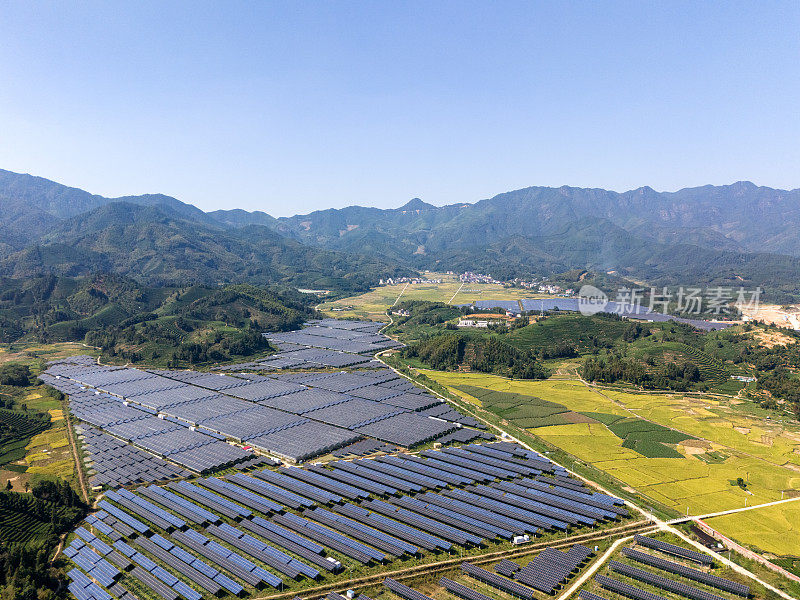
[48, 453]
[373, 304]
[681, 483]
[774, 529]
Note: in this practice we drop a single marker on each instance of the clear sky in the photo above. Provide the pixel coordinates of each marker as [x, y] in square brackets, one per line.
[289, 107]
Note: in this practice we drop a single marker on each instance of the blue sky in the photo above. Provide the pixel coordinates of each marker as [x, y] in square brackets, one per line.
[289, 107]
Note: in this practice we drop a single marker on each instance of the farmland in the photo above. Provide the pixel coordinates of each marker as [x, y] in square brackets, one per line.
[763, 454]
[774, 529]
[373, 304]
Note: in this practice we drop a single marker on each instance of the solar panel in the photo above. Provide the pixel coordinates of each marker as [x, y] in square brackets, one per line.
[403, 590]
[271, 491]
[331, 539]
[322, 478]
[676, 587]
[495, 580]
[206, 498]
[241, 495]
[393, 528]
[668, 548]
[358, 530]
[179, 565]
[437, 528]
[292, 542]
[344, 475]
[461, 591]
[626, 589]
[590, 596]
[679, 569]
[452, 518]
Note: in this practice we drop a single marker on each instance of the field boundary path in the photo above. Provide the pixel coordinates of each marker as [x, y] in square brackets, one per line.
[731, 511]
[594, 567]
[400, 295]
[456, 294]
[747, 553]
[660, 523]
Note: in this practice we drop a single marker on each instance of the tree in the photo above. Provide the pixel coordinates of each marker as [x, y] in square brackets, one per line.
[8, 485]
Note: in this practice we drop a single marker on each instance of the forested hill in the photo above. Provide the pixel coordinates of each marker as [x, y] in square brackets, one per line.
[159, 325]
[735, 235]
[46, 228]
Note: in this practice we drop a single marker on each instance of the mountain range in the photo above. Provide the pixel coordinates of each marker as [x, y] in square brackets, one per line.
[733, 235]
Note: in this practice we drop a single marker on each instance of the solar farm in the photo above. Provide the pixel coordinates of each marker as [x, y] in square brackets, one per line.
[296, 478]
[153, 425]
[653, 569]
[279, 528]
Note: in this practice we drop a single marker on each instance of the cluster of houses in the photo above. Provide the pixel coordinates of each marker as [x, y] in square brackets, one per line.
[470, 277]
[484, 321]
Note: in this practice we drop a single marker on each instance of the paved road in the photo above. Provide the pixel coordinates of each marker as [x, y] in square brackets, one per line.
[731, 511]
[661, 524]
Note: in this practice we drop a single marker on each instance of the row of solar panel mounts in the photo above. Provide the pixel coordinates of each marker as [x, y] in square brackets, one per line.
[506, 585]
[84, 588]
[404, 591]
[294, 570]
[548, 570]
[670, 585]
[240, 498]
[679, 569]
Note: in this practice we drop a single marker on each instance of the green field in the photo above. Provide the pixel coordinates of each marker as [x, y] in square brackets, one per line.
[681, 481]
[23, 518]
[16, 429]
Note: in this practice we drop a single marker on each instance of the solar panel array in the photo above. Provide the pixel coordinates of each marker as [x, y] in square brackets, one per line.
[679, 569]
[668, 548]
[117, 463]
[626, 589]
[219, 533]
[552, 568]
[461, 591]
[670, 585]
[498, 581]
[329, 334]
[404, 591]
[137, 424]
[155, 410]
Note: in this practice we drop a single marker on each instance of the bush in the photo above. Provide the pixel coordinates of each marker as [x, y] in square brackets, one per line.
[15, 374]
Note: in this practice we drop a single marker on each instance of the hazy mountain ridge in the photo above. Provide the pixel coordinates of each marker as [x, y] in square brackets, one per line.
[739, 234]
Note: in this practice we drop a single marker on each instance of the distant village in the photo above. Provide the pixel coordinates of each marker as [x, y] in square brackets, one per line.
[540, 286]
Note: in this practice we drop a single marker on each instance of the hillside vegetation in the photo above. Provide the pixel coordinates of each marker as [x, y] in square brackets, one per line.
[612, 350]
[162, 325]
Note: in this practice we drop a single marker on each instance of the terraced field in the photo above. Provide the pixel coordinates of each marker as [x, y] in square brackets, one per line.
[16, 429]
[18, 522]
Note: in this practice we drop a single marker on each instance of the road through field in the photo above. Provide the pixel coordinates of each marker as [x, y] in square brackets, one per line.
[660, 523]
[732, 511]
[400, 295]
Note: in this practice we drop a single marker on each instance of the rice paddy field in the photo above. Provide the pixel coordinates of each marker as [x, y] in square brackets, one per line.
[373, 304]
[46, 453]
[709, 443]
[774, 529]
